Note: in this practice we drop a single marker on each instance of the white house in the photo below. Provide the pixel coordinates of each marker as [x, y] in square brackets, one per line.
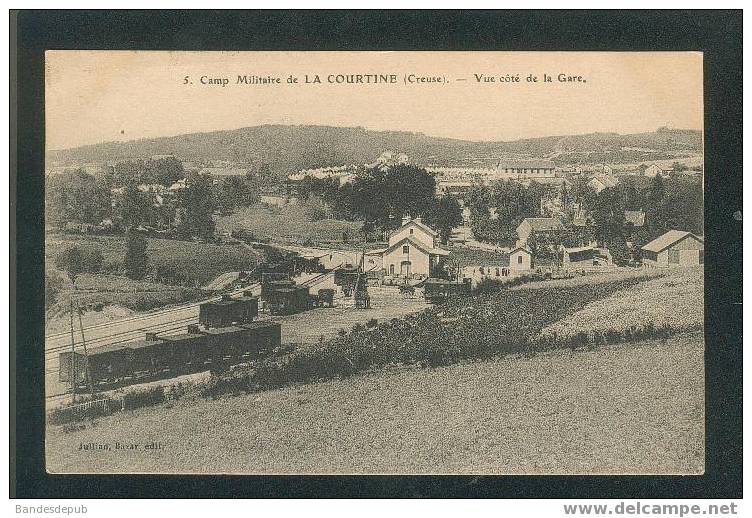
[413, 251]
[654, 170]
[532, 226]
[675, 247]
[601, 182]
[514, 263]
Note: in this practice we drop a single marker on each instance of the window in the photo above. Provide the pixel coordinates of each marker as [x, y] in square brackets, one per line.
[411, 230]
[405, 249]
[519, 259]
[391, 269]
[497, 272]
[481, 270]
[673, 256]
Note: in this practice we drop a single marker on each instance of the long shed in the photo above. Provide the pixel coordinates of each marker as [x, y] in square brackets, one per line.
[675, 248]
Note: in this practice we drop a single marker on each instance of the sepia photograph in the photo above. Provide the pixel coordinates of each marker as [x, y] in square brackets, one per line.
[362, 262]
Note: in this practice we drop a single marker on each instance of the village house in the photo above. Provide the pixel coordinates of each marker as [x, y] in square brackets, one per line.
[413, 251]
[220, 173]
[523, 169]
[579, 256]
[675, 247]
[179, 185]
[535, 226]
[635, 218]
[510, 264]
[602, 181]
[654, 170]
[454, 188]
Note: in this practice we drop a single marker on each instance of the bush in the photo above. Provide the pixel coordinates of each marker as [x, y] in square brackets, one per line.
[473, 328]
[234, 382]
[53, 285]
[141, 398]
[76, 260]
[490, 285]
[93, 260]
[84, 410]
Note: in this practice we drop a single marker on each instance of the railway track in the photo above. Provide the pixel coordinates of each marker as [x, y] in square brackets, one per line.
[134, 327]
[166, 322]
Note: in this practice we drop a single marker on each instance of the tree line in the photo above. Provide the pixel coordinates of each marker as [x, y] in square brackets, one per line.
[382, 196]
[674, 203]
[128, 195]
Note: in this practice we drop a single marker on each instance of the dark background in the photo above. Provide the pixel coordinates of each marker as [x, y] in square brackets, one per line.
[716, 33]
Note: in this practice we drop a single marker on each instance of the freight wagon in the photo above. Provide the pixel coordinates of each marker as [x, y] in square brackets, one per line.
[289, 300]
[214, 348]
[437, 291]
[228, 311]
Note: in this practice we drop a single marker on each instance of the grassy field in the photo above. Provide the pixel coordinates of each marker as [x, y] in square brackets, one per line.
[197, 263]
[675, 299]
[625, 409]
[632, 407]
[200, 262]
[289, 224]
[104, 298]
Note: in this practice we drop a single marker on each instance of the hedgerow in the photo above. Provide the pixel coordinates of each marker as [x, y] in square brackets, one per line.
[479, 327]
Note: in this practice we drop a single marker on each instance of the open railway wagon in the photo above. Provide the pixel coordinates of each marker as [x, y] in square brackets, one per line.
[228, 311]
[437, 291]
[274, 280]
[288, 300]
[214, 348]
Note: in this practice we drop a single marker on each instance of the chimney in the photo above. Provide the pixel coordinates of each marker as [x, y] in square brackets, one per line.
[406, 219]
[151, 337]
[418, 219]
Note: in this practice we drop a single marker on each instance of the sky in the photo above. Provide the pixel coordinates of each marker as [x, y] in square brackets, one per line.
[102, 96]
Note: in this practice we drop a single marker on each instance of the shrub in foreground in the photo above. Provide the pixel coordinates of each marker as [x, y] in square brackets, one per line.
[141, 398]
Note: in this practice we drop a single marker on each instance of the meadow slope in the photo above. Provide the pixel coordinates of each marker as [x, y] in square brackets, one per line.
[634, 408]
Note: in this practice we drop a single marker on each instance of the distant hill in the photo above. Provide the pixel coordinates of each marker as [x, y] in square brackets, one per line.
[289, 148]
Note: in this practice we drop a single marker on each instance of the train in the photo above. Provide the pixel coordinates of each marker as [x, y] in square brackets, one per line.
[226, 335]
[437, 291]
[285, 297]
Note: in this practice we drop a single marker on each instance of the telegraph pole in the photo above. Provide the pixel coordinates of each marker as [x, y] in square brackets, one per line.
[86, 353]
[73, 354]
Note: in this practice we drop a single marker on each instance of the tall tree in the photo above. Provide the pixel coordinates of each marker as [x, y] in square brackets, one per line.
[197, 206]
[657, 191]
[133, 207]
[445, 215]
[631, 197]
[381, 197]
[76, 196]
[136, 258]
[497, 210]
[608, 216]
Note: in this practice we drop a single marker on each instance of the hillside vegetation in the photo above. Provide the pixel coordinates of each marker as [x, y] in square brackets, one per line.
[290, 148]
[618, 410]
[410, 395]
